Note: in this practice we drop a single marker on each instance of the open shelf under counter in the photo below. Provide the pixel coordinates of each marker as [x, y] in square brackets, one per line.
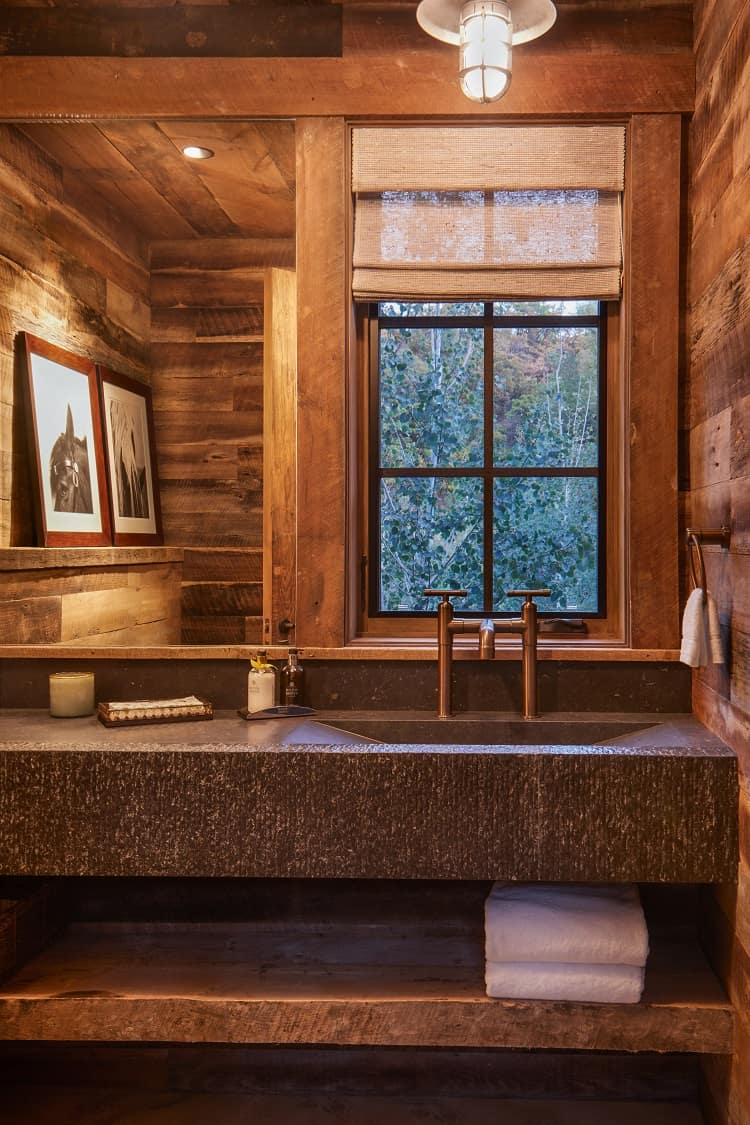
[398, 976]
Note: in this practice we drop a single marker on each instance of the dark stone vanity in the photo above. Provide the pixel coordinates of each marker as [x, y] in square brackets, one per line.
[304, 799]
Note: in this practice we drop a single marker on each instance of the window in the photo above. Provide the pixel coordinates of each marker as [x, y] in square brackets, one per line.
[486, 454]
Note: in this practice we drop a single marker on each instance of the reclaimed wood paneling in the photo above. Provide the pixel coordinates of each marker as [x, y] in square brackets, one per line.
[368, 1071]
[65, 279]
[190, 31]
[652, 282]
[91, 606]
[280, 455]
[718, 402]
[207, 328]
[634, 59]
[322, 275]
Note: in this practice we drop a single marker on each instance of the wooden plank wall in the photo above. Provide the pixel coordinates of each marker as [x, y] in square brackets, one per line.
[80, 282]
[89, 604]
[717, 424]
[207, 356]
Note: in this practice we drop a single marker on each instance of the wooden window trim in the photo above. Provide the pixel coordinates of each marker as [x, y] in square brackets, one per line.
[644, 341]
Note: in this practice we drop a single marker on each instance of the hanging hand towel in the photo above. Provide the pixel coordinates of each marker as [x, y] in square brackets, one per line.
[693, 650]
[571, 922]
[701, 631]
[607, 984]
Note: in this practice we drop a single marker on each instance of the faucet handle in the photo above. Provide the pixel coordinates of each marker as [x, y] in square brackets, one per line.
[528, 594]
[445, 594]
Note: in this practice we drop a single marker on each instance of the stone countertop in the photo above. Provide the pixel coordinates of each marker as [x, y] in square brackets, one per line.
[299, 799]
[663, 735]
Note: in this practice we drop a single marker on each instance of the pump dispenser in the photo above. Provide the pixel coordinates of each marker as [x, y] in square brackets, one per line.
[292, 680]
[261, 684]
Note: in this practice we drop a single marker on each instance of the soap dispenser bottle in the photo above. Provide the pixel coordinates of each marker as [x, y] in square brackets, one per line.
[261, 684]
[292, 680]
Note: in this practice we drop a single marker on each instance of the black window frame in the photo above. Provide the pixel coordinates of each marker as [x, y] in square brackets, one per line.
[488, 472]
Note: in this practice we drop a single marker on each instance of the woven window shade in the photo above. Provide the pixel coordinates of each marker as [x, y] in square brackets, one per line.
[488, 212]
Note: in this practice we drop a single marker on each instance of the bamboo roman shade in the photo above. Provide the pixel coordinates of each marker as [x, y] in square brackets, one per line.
[492, 211]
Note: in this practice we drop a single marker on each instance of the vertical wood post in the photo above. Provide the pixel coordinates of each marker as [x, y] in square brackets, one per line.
[652, 280]
[321, 380]
[279, 452]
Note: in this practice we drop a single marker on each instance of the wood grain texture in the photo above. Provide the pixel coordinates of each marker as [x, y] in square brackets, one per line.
[322, 284]
[387, 977]
[193, 31]
[652, 291]
[71, 1106]
[365, 1072]
[49, 279]
[716, 395]
[280, 436]
[613, 72]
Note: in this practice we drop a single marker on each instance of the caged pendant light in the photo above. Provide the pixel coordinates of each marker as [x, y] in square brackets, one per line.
[485, 31]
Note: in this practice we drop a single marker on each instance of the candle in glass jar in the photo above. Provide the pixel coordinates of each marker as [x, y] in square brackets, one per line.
[71, 694]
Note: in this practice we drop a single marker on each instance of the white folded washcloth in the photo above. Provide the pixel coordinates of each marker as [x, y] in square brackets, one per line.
[701, 631]
[583, 923]
[606, 984]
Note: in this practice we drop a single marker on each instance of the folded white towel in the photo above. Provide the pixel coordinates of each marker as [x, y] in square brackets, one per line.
[606, 984]
[571, 922]
[701, 631]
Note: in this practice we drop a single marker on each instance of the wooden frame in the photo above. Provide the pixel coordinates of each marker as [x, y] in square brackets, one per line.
[65, 446]
[130, 447]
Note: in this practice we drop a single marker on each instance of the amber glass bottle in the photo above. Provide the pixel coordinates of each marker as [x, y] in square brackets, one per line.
[292, 680]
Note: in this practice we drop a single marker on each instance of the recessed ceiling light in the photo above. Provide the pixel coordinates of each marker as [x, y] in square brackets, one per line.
[196, 152]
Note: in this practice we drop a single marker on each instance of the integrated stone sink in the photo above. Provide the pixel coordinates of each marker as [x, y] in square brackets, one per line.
[413, 728]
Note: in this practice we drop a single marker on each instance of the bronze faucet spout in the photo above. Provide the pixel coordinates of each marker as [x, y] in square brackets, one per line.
[526, 625]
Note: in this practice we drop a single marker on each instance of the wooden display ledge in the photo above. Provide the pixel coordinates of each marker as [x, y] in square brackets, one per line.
[344, 982]
[60, 558]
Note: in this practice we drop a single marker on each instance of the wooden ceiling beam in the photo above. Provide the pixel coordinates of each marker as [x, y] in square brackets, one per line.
[577, 83]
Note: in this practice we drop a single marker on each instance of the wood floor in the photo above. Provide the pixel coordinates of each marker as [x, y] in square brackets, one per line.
[23, 1105]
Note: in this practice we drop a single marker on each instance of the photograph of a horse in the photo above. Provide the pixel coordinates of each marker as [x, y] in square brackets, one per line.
[130, 445]
[66, 447]
[130, 461]
[69, 475]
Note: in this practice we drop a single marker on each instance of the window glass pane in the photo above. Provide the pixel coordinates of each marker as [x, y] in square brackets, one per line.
[546, 409]
[545, 308]
[431, 308]
[431, 397]
[430, 536]
[546, 536]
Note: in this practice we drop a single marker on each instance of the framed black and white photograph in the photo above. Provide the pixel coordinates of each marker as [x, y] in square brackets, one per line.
[130, 450]
[65, 443]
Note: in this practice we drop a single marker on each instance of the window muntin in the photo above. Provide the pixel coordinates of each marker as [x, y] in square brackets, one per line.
[487, 458]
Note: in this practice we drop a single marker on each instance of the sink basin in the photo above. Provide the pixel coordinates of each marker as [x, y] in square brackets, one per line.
[499, 730]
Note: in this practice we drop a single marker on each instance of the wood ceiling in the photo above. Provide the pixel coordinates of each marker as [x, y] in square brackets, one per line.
[246, 190]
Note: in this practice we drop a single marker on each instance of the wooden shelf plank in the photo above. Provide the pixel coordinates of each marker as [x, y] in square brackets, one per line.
[343, 983]
[35, 558]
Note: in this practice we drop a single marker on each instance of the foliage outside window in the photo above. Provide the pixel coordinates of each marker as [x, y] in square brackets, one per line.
[487, 454]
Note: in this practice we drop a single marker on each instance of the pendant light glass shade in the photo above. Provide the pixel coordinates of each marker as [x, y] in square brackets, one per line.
[485, 37]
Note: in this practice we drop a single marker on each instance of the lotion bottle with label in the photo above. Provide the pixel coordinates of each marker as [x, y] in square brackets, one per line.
[261, 684]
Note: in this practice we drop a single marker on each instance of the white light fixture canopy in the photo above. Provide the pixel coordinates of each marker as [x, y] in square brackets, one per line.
[530, 18]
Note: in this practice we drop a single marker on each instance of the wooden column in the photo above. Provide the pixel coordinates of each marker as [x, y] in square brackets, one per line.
[321, 380]
[279, 453]
[652, 280]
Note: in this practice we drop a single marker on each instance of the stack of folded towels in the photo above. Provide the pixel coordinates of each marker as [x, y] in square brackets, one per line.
[557, 941]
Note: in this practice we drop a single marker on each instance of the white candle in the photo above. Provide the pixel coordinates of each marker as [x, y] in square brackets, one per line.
[71, 694]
